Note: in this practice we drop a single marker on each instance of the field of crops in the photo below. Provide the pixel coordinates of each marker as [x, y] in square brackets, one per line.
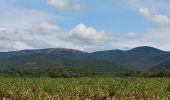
[96, 88]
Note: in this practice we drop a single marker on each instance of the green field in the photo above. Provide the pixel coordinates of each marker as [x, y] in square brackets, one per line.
[95, 88]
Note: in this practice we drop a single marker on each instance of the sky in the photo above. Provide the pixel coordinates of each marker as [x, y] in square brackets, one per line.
[87, 25]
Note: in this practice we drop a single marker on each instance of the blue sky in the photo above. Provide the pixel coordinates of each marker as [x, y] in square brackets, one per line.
[88, 25]
[111, 15]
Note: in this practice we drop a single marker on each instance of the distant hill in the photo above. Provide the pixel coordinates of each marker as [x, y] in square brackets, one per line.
[140, 58]
[163, 65]
[41, 58]
[100, 65]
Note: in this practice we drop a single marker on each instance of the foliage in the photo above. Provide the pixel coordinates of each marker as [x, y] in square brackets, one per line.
[62, 72]
[71, 72]
[140, 58]
[157, 73]
[81, 88]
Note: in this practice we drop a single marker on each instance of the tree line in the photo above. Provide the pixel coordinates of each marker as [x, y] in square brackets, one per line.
[62, 72]
[69, 72]
[148, 74]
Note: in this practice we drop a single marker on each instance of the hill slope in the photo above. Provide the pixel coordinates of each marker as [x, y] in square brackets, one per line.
[163, 65]
[140, 58]
[100, 65]
[58, 57]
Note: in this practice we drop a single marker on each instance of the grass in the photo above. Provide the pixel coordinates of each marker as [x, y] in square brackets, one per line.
[85, 88]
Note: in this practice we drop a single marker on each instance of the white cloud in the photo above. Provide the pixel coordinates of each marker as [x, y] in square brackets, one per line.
[8, 34]
[48, 28]
[80, 37]
[43, 29]
[30, 29]
[64, 5]
[38, 43]
[151, 16]
[14, 21]
[21, 18]
[83, 34]
[132, 35]
[6, 46]
[154, 11]
[145, 12]
[59, 4]
[159, 36]
[48, 35]
[155, 37]
[19, 45]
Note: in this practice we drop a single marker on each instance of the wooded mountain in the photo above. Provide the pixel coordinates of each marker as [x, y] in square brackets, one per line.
[163, 65]
[140, 58]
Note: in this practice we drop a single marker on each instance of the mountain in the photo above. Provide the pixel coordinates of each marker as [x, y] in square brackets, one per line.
[51, 51]
[56, 57]
[41, 57]
[163, 65]
[140, 58]
[100, 65]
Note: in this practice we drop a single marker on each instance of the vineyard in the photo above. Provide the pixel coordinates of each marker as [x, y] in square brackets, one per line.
[90, 88]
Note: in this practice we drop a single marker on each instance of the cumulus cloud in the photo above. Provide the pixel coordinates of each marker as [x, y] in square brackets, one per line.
[154, 11]
[155, 37]
[81, 37]
[14, 17]
[64, 5]
[37, 43]
[16, 39]
[132, 35]
[48, 35]
[9, 39]
[158, 36]
[9, 34]
[43, 29]
[83, 34]
[151, 16]
[17, 18]
[6, 46]
[20, 45]
[32, 29]
[15, 21]
[48, 28]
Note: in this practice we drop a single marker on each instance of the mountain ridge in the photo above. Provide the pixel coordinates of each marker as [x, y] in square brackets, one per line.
[58, 48]
[139, 58]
